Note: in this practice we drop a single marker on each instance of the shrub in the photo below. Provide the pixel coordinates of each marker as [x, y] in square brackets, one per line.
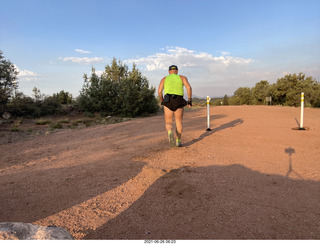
[43, 122]
[118, 92]
[56, 126]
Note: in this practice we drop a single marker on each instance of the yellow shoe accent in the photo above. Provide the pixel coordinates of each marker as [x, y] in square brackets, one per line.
[178, 143]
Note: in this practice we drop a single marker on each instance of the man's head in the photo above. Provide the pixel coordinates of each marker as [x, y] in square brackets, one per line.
[173, 69]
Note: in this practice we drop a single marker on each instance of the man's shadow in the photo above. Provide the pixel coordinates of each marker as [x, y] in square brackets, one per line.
[208, 133]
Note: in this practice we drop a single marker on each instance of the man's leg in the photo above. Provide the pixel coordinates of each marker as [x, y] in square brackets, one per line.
[178, 114]
[168, 116]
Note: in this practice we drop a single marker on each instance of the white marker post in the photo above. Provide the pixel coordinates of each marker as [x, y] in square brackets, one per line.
[302, 107]
[208, 114]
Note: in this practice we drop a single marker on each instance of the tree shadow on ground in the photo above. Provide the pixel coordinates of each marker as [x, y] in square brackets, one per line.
[230, 124]
[220, 202]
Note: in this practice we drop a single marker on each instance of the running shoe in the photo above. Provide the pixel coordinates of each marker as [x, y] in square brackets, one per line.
[171, 138]
[178, 143]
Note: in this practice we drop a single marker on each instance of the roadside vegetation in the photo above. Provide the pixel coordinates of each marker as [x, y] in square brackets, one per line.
[119, 94]
[286, 92]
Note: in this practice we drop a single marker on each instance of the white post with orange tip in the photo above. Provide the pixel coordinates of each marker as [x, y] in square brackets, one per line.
[208, 114]
[302, 107]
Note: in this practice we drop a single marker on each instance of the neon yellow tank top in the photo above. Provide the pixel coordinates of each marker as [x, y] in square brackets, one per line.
[173, 85]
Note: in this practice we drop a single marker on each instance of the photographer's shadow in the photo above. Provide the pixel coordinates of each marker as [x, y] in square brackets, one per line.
[230, 124]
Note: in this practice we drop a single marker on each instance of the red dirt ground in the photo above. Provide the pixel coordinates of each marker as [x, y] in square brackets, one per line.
[251, 177]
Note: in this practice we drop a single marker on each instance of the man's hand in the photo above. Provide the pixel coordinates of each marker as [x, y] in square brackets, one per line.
[190, 102]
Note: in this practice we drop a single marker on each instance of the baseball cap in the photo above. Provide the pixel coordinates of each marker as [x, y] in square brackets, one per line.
[173, 67]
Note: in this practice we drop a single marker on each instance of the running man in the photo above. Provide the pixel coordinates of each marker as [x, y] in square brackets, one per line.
[174, 102]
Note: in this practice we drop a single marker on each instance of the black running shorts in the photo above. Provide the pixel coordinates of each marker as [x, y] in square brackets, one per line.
[174, 102]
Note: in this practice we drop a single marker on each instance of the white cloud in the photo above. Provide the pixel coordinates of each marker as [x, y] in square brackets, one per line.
[99, 72]
[82, 51]
[208, 74]
[26, 75]
[83, 60]
[187, 58]
[225, 53]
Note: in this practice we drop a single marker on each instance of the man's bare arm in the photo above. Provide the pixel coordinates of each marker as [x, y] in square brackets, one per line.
[160, 89]
[187, 85]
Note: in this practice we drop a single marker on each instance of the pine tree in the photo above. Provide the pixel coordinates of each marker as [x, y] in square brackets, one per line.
[8, 77]
[225, 100]
[118, 91]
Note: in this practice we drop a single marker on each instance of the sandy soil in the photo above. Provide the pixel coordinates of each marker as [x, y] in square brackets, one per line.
[251, 177]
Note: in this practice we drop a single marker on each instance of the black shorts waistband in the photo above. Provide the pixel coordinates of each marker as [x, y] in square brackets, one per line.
[174, 96]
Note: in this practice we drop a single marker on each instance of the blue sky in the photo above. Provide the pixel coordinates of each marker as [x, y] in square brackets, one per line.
[219, 45]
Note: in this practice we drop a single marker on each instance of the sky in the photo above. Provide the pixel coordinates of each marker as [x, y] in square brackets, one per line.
[220, 45]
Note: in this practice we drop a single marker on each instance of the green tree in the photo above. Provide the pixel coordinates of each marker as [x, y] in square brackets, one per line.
[243, 96]
[41, 105]
[118, 91]
[37, 94]
[315, 100]
[49, 106]
[8, 81]
[287, 90]
[225, 100]
[260, 92]
[23, 106]
[216, 102]
[63, 97]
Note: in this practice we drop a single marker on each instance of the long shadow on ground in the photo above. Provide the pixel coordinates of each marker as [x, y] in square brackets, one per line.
[230, 124]
[220, 202]
[46, 192]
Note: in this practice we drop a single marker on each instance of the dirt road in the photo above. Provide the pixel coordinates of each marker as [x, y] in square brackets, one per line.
[251, 177]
